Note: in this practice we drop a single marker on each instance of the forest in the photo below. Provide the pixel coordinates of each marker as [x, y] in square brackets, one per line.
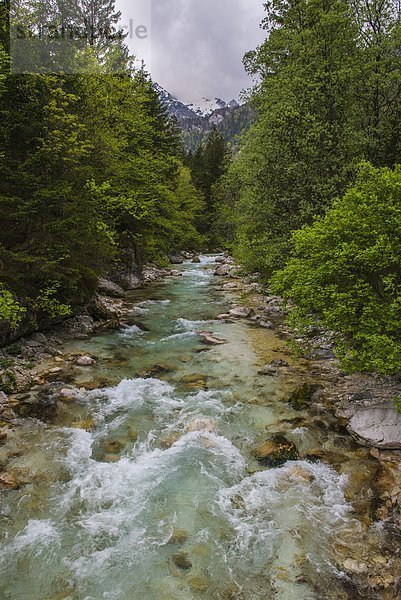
[309, 197]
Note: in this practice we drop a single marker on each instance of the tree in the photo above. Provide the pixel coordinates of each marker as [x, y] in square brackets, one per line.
[208, 164]
[346, 270]
[303, 149]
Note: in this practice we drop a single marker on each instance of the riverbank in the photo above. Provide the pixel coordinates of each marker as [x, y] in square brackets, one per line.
[360, 404]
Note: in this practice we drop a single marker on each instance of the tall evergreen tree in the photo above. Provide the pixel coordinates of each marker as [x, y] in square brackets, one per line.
[302, 151]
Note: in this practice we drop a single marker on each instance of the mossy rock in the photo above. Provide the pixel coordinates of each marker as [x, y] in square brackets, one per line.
[181, 560]
[275, 451]
[301, 398]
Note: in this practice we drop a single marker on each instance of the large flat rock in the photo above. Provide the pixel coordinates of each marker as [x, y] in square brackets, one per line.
[378, 426]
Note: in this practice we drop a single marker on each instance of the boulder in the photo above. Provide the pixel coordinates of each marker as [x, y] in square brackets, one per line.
[211, 340]
[102, 307]
[241, 312]
[222, 270]
[39, 337]
[193, 378]
[220, 259]
[109, 288]
[196, 259]
[175, 273]
[33, 344]
[201, 424]
[127, 272]
[169, 439]
[85, 361]
[378, 426]
[266, 324]
[176, 259]
[275, 451]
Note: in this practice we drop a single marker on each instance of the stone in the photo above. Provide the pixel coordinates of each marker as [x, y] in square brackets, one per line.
[8, 481]
[196, 260]
[193, 378]
[175, 273]
[220, 259]
[178, 536]
[241, 312]
[266, 324]
[298, 472]
[198, 584]
[176, 259]
[3, 398]
[86, 424]
[354, 566]
[181, 560]
[39, 337]
[85, 361]
[211, 340]
[275, 451]
[223, 316]
[109, 288]
[133, 434]
[279, 363]
[201, 424]
[222, 270]
[378, 426]
[33, 344]
[324, 456]
[68, 394]
[113, 447]
[268, 370]
[169, 439]
[55, 370]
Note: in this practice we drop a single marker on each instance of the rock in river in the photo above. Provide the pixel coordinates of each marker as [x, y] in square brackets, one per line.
[85, 361]
[378, 425]
[275, 451]
[222, 270]
[241, 312]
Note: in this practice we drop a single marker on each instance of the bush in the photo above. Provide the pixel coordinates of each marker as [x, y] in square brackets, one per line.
[346, 269]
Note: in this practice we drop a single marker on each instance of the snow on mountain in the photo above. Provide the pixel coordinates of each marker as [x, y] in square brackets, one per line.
[183, 111]
[196, 119]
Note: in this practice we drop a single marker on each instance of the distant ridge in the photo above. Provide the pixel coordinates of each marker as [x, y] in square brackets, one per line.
[196, 119]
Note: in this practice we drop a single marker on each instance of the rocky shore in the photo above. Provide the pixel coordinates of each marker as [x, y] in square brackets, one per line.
[34, 359]
[360, 405]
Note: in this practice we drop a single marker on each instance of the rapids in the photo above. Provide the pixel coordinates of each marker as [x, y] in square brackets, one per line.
[145, 488]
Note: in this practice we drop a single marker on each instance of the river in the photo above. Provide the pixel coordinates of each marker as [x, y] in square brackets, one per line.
[145, 487]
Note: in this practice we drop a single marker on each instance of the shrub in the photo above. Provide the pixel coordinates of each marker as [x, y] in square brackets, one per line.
[346, 269]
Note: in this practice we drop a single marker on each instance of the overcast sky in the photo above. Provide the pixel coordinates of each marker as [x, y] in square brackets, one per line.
[197, 46]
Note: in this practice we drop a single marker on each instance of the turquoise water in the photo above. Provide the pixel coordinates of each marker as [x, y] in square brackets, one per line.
[145, 487]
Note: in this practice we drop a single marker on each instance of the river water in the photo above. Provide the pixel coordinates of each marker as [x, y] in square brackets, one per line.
[145, 487]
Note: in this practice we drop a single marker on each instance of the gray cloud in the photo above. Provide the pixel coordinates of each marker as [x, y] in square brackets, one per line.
[197, 46]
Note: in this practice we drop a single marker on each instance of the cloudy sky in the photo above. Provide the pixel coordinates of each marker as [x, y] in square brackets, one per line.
[196, 46]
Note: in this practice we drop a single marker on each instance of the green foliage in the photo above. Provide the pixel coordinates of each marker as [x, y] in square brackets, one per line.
[301, 152]
[8, 382]
[397, 403]
[10, 310]
[5, 363]
[208, 164]
[89, 166]
[346, 268]
[15, 349]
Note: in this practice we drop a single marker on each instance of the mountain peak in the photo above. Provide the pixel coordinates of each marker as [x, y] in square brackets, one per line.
[205, 107]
